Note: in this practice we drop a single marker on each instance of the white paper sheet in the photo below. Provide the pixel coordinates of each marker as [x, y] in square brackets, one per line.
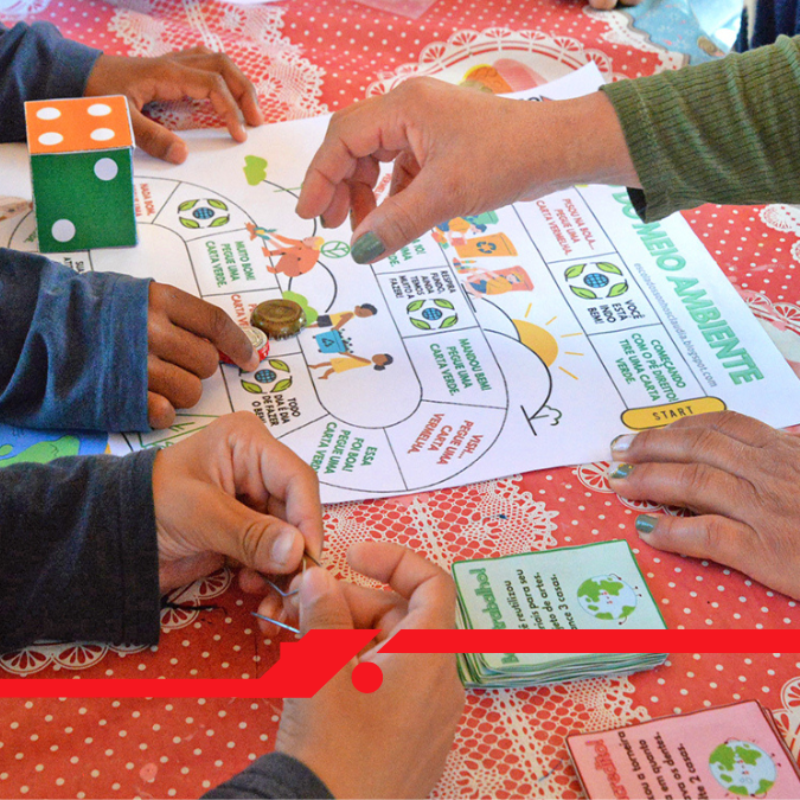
[527, 342]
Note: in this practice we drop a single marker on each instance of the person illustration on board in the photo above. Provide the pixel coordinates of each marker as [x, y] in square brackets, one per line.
[297, 256]
[349, 361]
[338, 320]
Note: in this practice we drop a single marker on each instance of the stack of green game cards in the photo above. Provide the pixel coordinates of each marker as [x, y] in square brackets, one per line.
[593, 587]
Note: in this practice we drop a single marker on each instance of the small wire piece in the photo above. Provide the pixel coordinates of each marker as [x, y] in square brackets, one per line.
[283, 594]
[279, 590]
[275, 622]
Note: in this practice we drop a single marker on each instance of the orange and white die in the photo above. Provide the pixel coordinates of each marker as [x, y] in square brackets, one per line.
[76, 124]
[82, 169]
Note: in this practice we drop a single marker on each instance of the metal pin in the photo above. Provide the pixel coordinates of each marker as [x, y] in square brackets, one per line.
[308, 555]
[275, 622]
[279, 590]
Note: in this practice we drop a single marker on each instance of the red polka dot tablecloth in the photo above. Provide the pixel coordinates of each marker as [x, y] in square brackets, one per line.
[309, 58]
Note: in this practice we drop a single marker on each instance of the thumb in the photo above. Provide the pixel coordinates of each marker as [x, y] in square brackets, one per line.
[399, 220]
[322, 602]
[259, 541]
[156, 140]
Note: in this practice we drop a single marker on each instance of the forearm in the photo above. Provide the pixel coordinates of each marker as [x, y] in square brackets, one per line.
[75, 347]
[584, 143]
[723, 132]
[272, 776]
[80, 557]
[37, 63]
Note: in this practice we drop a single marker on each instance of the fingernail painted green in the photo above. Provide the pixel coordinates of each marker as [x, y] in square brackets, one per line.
[621, 471]
[367, 248]
[646, 523]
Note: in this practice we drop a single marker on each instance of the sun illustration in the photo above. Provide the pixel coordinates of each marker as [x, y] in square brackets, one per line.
[542, 342]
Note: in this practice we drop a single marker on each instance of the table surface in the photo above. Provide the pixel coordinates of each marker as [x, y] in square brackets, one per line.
[309, 58]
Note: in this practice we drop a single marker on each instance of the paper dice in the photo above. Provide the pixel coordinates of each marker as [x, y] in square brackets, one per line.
[81, 164]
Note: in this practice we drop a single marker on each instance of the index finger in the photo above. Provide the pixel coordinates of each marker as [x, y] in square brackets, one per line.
[362, 130]
[240, 86]
[289, 479]
[430, 591]
[212, 323]
[201, 84]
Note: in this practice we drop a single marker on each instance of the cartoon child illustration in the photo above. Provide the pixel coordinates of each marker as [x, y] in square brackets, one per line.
[351, 361]
[297, 256]
[338, 320]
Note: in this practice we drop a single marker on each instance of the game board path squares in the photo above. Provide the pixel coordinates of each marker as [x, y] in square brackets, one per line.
[81, 167]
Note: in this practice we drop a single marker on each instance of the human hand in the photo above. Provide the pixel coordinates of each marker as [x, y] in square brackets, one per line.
[393, 742]
[184, 337]
[233, 490]
[198, 73]
[456, 152]
[739, 475]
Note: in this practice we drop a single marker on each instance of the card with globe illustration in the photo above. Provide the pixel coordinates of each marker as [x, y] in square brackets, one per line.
[729, 751]
[593, 587]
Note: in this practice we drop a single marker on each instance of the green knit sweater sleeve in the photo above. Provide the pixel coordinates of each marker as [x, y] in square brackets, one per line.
[725, 132]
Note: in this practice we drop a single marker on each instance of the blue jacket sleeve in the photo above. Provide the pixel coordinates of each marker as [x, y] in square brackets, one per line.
[75, 347]
[37, 63]
[273, 776]
[772, 19]
[80, 554]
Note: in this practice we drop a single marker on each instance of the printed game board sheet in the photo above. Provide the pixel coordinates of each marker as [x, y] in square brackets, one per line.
[514, 340]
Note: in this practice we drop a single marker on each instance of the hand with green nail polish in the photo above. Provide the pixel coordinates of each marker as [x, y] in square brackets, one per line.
[739, 476]
[456, 152]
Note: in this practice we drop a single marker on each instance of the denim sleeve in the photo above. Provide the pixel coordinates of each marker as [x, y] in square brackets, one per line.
[37, 63]
[272, 776]
[74, 353]
[80, 555]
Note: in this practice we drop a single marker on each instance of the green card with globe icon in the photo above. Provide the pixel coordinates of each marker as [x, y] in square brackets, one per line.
[596, 586]
[724, 752]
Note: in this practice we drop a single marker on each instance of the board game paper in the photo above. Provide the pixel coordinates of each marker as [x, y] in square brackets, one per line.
[519, 339]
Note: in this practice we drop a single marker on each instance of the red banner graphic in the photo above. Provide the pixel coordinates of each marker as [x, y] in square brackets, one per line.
[307, 665]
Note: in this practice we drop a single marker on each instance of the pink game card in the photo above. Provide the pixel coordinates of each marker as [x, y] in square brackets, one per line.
[726, 752]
